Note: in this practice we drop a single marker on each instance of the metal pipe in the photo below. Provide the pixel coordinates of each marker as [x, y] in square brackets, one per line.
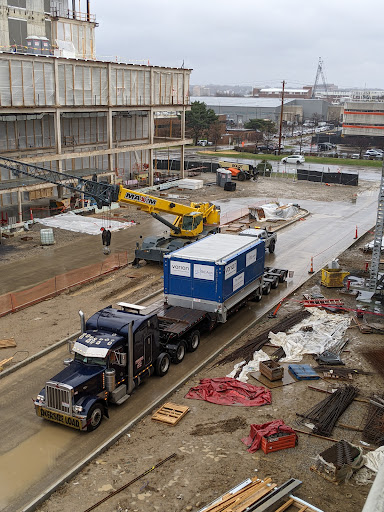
[82, 321]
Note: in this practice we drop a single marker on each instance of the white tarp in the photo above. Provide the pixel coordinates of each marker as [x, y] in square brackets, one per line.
[275, 211]
[373, 460]
[321, 331]
[89, 225]
[252, 366]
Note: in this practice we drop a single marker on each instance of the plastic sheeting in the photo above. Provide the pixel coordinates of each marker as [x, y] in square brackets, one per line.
[275, 211]
[257, 432]
[313, 335]
[227, 391]
[89, 225]
[251, 366]
[373, 460]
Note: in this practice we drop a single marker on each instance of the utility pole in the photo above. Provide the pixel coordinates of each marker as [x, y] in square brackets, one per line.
[281, 116]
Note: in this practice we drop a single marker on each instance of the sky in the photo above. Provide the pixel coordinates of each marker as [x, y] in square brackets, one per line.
[254, 43]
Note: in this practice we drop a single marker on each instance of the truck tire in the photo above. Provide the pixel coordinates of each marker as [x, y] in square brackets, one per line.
[193, 341]
[179, 352]
[267, 289]
[94, 417]
[272, 246]
[283, 276]
[241, 176]
[162, 364]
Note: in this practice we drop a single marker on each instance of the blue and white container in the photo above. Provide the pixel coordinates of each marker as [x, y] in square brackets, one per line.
[215, 273]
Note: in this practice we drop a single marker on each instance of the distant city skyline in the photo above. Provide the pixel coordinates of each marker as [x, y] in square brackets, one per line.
[248, 43]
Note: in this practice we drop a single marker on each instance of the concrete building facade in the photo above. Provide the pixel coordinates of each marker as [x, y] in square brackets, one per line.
[363, 119]
[84, 117]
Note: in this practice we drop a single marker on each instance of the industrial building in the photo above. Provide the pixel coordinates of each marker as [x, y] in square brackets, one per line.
[63, 109]
[364, 119]
[240, 110]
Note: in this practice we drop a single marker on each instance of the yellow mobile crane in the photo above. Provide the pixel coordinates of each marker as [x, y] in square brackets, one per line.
[192, 222]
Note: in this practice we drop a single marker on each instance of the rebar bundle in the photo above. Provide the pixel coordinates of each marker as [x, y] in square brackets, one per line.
[326, 413]
[246, 351]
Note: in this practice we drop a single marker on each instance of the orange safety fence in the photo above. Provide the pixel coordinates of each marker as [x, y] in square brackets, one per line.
[11, 302]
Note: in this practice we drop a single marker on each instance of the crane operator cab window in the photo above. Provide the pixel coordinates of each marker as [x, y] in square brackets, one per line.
[191, 222]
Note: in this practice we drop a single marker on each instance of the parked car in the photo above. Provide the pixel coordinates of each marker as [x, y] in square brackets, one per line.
[374, 152]
[355, 156]
[293, 159]
[204, 142]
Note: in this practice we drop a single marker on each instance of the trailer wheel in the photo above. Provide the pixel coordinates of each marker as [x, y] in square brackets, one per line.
[258, 295]
[241, 176]
[94, 417]
[193, 341]
[162, 364]
[272, 247]
[267, 289]
[180, 352]
[275, 283]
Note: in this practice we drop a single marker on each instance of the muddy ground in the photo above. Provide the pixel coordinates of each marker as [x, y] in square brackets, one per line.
[210, 457]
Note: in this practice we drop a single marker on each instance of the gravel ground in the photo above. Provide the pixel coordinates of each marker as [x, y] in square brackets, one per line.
[210, 457]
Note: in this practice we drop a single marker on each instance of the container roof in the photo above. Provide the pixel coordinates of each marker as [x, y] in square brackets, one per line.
[215, 248]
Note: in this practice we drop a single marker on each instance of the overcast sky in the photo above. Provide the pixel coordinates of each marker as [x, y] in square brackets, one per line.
[249, 42]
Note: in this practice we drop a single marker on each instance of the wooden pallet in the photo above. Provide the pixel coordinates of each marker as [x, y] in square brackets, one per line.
[170, 413]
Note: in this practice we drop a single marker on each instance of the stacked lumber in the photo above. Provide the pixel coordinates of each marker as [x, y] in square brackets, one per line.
[240, 500]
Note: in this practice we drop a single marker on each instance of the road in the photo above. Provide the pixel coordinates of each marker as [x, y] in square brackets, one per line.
[34, 455]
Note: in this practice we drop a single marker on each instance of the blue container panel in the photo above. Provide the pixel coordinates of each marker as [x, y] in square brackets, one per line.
[210, 281]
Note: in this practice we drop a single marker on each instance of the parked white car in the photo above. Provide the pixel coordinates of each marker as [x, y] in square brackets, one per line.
[293, 159]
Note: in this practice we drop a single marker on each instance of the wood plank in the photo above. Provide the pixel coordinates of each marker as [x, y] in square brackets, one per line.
[286, 505]
[4, 362]
[230, 498]
[7, 342]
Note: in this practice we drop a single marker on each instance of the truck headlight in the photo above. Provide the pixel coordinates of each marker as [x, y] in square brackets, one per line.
[78, 408]
[40, 398]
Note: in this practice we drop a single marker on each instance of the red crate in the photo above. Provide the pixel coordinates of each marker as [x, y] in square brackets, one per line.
[273, 444]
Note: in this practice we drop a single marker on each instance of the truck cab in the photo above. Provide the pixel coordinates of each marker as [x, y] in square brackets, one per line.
[116, 350]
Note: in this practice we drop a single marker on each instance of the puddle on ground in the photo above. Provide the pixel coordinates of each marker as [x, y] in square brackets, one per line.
[30, 460]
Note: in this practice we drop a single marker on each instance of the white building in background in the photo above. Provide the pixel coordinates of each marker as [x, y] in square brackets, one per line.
[60, 108]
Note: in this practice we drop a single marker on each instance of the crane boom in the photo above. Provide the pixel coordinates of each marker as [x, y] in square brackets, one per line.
[189, 222]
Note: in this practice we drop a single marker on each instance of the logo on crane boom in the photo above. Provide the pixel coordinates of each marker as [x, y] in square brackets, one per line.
[141, 199]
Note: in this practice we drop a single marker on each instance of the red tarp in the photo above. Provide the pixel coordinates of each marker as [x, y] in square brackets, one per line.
[253, 441]
[228, 391]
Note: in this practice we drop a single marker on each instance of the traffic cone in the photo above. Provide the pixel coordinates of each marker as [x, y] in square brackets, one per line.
[355, 237]
[311, 270]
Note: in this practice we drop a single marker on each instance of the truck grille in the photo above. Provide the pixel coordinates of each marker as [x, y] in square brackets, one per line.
[59, 397]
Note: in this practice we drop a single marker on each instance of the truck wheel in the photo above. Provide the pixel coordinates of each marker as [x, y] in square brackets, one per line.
[180, 352]
[162, 364]
[193, 341]
[267, 289]
[241, 176]
[272, 247]
[94, 417]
